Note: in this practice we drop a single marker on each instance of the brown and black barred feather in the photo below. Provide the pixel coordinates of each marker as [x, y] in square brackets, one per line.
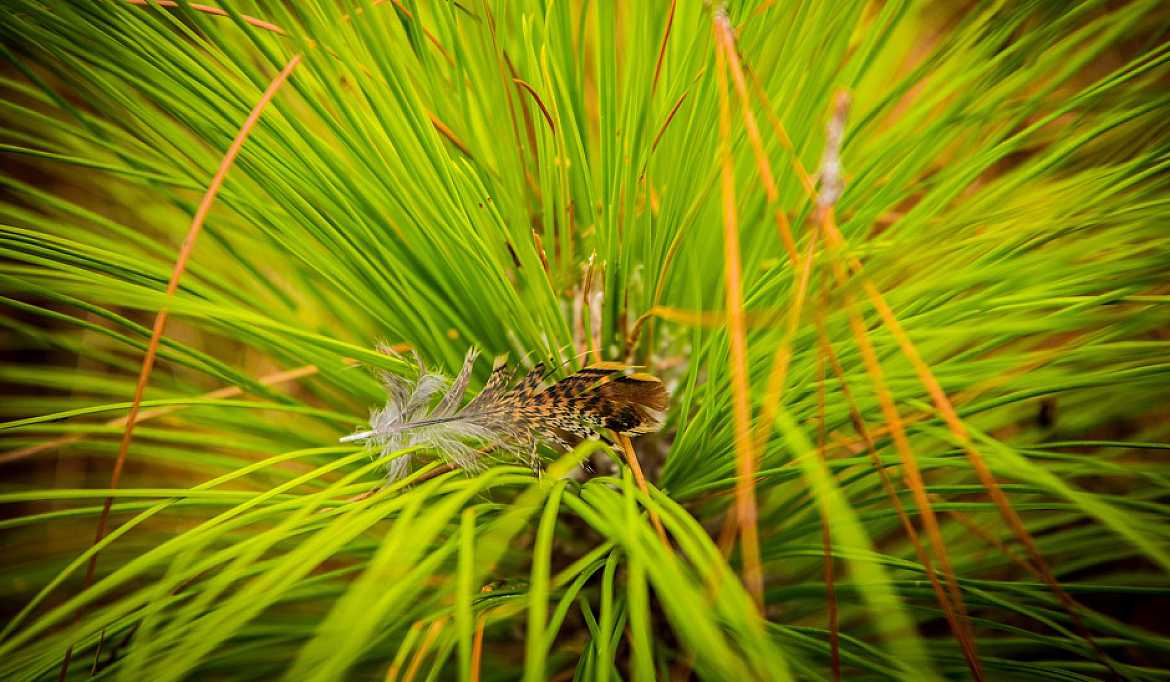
[513, 420]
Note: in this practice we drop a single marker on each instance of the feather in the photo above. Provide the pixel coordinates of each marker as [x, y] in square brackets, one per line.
[508, 422]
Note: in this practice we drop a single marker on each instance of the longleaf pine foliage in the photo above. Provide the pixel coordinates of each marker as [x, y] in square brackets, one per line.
[890, 277]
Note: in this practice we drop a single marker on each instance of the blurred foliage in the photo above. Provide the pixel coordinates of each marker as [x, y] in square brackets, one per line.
[543, 178]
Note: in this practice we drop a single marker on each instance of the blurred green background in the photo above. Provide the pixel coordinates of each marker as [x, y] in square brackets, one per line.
[572, 180]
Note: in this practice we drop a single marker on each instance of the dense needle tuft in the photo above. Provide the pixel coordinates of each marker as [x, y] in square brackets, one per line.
[507, 419]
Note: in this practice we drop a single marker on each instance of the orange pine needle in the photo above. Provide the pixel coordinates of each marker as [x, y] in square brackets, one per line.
[778, 374]
[477, 646]
[888, 486]
[662, 51]
[832, 185]
[449, 134]
[726, 38]
[910, 469]
[424, 648]
[539, 102]
[745, 493]
[160, 319]
[669, 118]
[982, 471]
[640, 479]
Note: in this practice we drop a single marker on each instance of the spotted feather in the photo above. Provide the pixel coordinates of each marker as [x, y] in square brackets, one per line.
[511, 421]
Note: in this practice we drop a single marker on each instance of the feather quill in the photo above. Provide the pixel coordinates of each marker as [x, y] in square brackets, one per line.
[508, 420]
